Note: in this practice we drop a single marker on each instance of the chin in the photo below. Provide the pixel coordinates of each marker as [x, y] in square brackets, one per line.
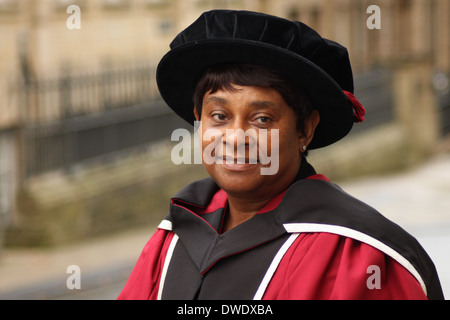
[241, 188]
[238, 181]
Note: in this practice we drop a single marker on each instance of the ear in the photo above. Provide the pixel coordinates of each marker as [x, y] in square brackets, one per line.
[309, 129]
[196, 115]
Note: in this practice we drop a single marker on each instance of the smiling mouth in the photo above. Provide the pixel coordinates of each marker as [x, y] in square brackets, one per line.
[237, 164]
[238, 161]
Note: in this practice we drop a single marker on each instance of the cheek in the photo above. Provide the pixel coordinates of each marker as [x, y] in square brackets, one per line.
[289, 145]
[211, 145]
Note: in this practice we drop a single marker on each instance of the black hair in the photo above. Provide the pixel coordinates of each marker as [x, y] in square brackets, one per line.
[223, 76]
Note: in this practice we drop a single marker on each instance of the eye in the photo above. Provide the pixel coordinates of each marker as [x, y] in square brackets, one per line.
[218, 117]
[263, 120]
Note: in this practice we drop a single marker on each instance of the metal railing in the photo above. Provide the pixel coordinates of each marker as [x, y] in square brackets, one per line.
[374, 90]
[71, 95]
[77, 118]
[74, 118]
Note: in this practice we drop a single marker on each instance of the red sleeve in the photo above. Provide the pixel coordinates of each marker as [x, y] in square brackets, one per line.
[143, 283]
[326, 266]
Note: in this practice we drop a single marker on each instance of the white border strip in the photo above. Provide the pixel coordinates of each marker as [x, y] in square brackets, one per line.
[347, 232]
[273, 266]
[165, 225]
[172, 245]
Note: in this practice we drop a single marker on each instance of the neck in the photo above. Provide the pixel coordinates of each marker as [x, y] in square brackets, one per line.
[241, 210]
[242, 207]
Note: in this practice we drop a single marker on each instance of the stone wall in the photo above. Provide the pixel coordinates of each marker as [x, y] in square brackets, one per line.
[96, 199]
[62, 207]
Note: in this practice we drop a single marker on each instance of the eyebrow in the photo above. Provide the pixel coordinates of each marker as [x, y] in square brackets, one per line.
[216, 99]
[257, 103]
[263, 104]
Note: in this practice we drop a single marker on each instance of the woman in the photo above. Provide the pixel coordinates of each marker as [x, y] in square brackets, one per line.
[289, 234]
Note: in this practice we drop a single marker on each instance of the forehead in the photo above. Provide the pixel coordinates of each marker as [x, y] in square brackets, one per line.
[262, 97]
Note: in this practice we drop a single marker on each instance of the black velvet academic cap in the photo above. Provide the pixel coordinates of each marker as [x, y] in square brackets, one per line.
[320, 67]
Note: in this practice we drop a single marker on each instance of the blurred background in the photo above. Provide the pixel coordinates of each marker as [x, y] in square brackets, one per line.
[85, 169]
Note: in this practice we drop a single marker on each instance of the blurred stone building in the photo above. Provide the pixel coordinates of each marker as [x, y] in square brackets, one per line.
[36, 42]
[74, 80]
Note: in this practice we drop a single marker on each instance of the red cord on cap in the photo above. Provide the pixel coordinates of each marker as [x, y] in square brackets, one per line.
[358, 110]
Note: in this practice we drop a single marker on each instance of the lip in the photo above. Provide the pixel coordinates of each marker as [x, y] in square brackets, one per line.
[238, 164]
[238, 167]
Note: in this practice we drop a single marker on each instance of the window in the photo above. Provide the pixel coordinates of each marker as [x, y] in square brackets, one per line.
[4, 180]
[61, 5]
[9, 6]
[116, 4]
[157, 3]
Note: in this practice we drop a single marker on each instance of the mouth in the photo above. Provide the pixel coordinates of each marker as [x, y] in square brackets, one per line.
[238, 164]
[239, 160]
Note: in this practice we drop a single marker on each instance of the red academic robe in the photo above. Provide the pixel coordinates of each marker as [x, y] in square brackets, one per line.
[315, 257]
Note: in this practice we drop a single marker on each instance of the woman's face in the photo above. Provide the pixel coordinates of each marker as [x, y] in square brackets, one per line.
[250, 142]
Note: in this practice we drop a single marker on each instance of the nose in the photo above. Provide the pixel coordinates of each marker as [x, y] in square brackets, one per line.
[239, 138]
